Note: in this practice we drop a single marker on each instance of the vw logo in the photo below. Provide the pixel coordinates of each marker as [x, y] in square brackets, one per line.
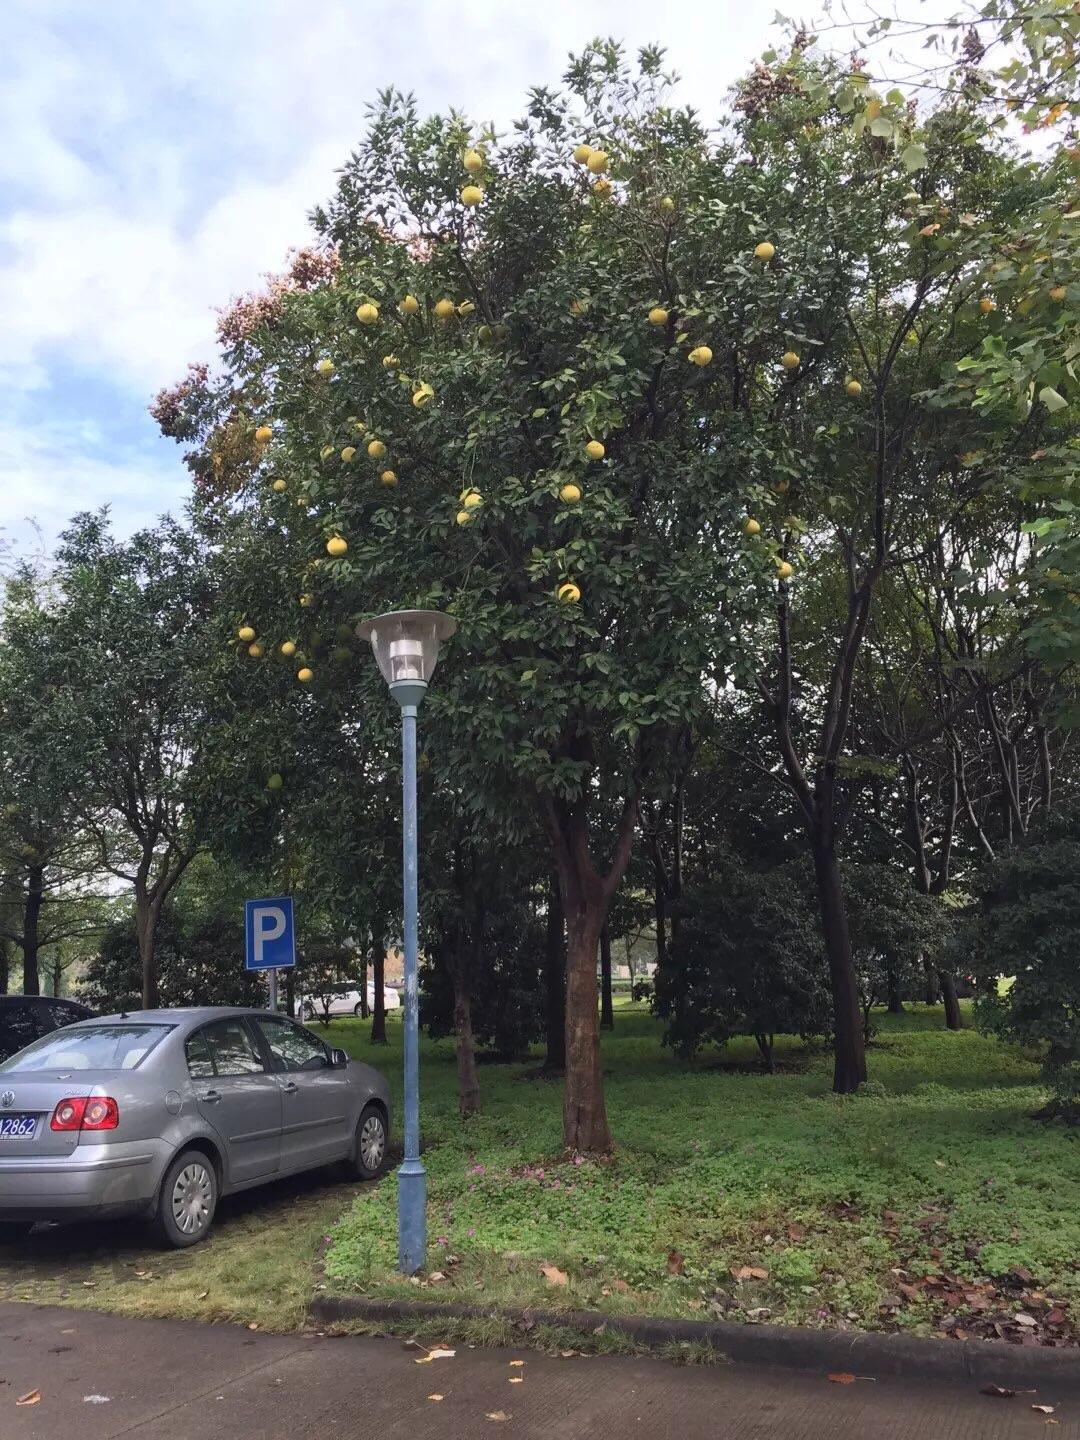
[7, 1098]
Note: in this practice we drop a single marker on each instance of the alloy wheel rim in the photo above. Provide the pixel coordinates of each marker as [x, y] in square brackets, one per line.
[372, 1141]
[192, 1195]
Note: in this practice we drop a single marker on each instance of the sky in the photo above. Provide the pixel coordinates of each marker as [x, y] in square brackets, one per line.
[158, 159]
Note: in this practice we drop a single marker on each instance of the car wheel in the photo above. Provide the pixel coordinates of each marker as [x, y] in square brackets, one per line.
[358, 1010]
[188, 1199]
[369, 1148]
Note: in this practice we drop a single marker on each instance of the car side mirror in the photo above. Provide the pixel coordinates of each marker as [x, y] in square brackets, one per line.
[339, 1059]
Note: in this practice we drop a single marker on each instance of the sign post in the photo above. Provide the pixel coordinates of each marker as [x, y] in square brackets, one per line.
[270, 938]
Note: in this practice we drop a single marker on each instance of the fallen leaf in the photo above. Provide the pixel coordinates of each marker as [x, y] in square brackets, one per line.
[253, 1325]
[796, 1232]
[517, 1364]
[435, 1355]
[553, 1275]
[842, 1377]
[436, 1276]
[676, 1263]
[203, 1295]
[32, 1397]
[107, 1400]
[434, 1397]
[749, 1272]
[1002, 1392]
[517, 1380]
[1022, 1318]
[497, 1415]
[567, 1354]
[1043, 1409]
[621, 1286]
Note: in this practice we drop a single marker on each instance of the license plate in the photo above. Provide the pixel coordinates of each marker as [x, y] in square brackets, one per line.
[17, 1127]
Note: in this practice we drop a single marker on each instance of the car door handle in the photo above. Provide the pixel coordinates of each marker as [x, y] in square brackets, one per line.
[210, 1097]
[288, 1087]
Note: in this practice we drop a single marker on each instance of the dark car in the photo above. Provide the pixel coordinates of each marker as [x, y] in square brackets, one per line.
[25, 1018]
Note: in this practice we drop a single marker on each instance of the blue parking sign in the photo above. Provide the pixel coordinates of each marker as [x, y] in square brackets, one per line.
[269, 933]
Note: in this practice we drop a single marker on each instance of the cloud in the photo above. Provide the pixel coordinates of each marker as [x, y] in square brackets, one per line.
[157, 160]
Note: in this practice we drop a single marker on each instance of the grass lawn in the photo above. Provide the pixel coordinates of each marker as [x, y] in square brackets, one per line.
[931, 1203]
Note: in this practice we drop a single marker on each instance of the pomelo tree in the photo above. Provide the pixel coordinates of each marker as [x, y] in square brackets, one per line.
[493, 393]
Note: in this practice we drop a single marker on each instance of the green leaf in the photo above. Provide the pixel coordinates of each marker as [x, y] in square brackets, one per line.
[1052, 400]
[913, 156]
[882, 127]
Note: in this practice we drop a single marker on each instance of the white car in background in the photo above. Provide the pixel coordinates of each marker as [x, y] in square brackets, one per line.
[343, 1000]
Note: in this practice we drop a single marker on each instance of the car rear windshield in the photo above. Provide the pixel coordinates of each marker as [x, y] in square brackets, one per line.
[89, 1047]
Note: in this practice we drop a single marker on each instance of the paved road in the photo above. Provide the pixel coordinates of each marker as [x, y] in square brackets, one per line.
[189, 1381]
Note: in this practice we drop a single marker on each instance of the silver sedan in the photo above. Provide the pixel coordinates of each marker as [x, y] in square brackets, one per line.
[158, 1113]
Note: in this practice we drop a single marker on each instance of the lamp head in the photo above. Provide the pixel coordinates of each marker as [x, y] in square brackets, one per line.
[407, 643]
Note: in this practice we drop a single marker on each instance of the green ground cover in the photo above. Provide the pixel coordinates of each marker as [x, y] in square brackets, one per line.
[933, 1203]
[933, 1200]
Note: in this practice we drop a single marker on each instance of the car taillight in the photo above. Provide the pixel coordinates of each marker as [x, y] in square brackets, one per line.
[86, 1112]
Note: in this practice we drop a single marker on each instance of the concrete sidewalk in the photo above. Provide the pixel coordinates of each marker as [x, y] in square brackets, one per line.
[188, 1381]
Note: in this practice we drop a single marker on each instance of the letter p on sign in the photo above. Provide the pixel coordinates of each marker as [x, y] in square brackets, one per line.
[269, 933]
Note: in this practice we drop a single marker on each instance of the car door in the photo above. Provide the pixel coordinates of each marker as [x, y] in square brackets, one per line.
[318, 1101]
[238, 1096]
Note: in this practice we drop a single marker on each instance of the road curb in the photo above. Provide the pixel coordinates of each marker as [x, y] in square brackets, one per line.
[785, 1346]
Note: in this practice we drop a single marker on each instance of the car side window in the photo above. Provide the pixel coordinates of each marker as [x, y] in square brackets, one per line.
[63, 1013]
[18, 1026]
[231, 1048]
[199, 1064]
[293, 1047]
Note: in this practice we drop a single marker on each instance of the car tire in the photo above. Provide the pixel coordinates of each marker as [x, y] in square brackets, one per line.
[187, 1200]
[370, 1145]
[358, 1010]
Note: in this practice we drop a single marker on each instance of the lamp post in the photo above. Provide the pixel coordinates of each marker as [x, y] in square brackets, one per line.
[406, 645]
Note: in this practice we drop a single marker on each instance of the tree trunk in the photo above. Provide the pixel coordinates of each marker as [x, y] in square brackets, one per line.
[607, 1008]
[365, 1008]
[587, 897]
[896, 1003]
[57, 977]
[146, 933]
[468, 1081]
[5, 967]
[954, 1020]
[555, 980]
[849, 1067]
[765, 1045]
[585, 1124]
[931, 990]
[660, 914]
[378, 1010]
[35, 896]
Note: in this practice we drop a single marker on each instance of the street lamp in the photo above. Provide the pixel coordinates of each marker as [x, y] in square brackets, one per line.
[406, 645]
